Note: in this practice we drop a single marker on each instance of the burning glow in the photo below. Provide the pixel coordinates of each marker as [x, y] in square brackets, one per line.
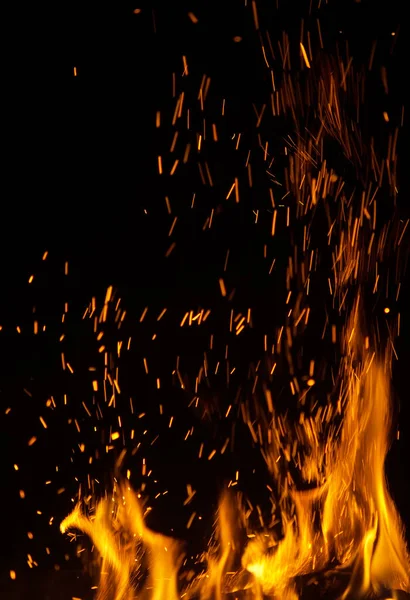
[332, 513]
[120, 537]
[359, 528]
[348, 522]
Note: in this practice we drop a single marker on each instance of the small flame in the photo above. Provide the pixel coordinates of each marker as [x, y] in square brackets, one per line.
[124, 542]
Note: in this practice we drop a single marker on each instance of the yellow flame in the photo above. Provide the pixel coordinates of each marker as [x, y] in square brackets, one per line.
[344, 519]
[121, 537]
[348, 521]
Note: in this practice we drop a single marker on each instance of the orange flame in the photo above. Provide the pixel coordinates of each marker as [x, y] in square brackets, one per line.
[121, 537]
[348, 523]
[359, 527]
[358, 530]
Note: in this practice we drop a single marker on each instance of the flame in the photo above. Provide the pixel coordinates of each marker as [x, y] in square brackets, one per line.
[340, 518]
[124, 541]
[359, 527]
[348, 523]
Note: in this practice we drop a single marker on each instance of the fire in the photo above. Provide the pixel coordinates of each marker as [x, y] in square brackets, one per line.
[123, 541]
[330, 496]
[359, 528]
[348, 523]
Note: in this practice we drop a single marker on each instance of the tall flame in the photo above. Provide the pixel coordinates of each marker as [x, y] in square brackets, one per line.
[359, 526]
